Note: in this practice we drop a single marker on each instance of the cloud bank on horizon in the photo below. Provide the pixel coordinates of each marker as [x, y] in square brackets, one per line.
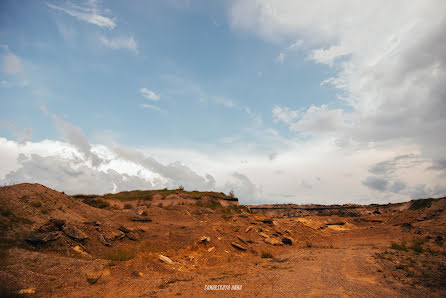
[280, 101]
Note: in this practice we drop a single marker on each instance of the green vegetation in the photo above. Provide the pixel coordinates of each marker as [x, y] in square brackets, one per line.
[5, 212]
[146, 195]
[36, 204]
[97, 203]
[267, 255]
[120, 255]
[421, 204]
[399, 246]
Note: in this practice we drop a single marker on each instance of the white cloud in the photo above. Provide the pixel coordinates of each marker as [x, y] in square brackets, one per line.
[389, 64]
[127, 43]
[296, 45]
[153, 107]
[12, 64]
[89, 13]
[149, 94]
[285, 114]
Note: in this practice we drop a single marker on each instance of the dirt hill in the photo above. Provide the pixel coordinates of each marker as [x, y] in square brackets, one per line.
[172, 243]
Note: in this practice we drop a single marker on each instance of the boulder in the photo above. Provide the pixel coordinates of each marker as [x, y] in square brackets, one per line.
[263, 235]
[248, 229]
[287, 240]
[43, 237]
[165, 259]
[241, 239]
[104, 239]
[52, 225]
[124, 229]
[74, 233]
[133, 236]
[205, 239]
[272, 241]
[239, 246]
[141, 218]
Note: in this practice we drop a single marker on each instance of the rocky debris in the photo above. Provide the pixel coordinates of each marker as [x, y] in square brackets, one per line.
[141, 210]
[93, 223]
[241, 239]
[272, 241]
[248, 229]
[205, 239]
[165, 259]
[239, 246]
[243, 215]
[141, 218]
[133, 236]
[268, 221]
[80, 250]
[263, 235]
[124, 229]
[287, 240]
[27, 291]
[52, 225]
[74, 233]
[43, 237]
[104, 239]
[211, 249]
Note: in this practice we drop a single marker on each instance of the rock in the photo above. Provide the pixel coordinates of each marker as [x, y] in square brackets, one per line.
[92, 223]
[133, 236]
[103, 238]
[241, 239]
[141, 218]
[80, 250]
[272, 241]
[287, 240]
[263, 235]
[268, 221]
[27, 291]
[239, 246]
[165, 259]
[43, 237]
[205, 239]
[52, 225]
[124, 229]
[74, 233]
[211, 249]
[248, 229]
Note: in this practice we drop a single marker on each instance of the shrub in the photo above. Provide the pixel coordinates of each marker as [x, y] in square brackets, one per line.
[128, 206]
[421, 204]
[417, 246]
[398, 246]
[267, 255]
[36, 204]
[97, 203]
[181, 188]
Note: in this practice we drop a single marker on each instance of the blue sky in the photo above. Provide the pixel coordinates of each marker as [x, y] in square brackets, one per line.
[255, 94]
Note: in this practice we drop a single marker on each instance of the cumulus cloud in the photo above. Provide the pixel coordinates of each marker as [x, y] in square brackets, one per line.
[72, 176]
[315, 120]
[176, 173]
[126, 43]
[149, 94]
[89, 13]
[243, 187]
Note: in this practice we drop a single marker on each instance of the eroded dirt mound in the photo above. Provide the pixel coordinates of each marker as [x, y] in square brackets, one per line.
[56, 245]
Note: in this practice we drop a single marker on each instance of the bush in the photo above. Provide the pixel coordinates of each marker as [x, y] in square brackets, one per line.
[36, 204]
[267, 255]
[421, 204]
[128, 206]
[97, 203]
[398, 246]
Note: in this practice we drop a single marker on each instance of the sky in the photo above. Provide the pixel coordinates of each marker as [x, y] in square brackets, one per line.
[326, 102]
